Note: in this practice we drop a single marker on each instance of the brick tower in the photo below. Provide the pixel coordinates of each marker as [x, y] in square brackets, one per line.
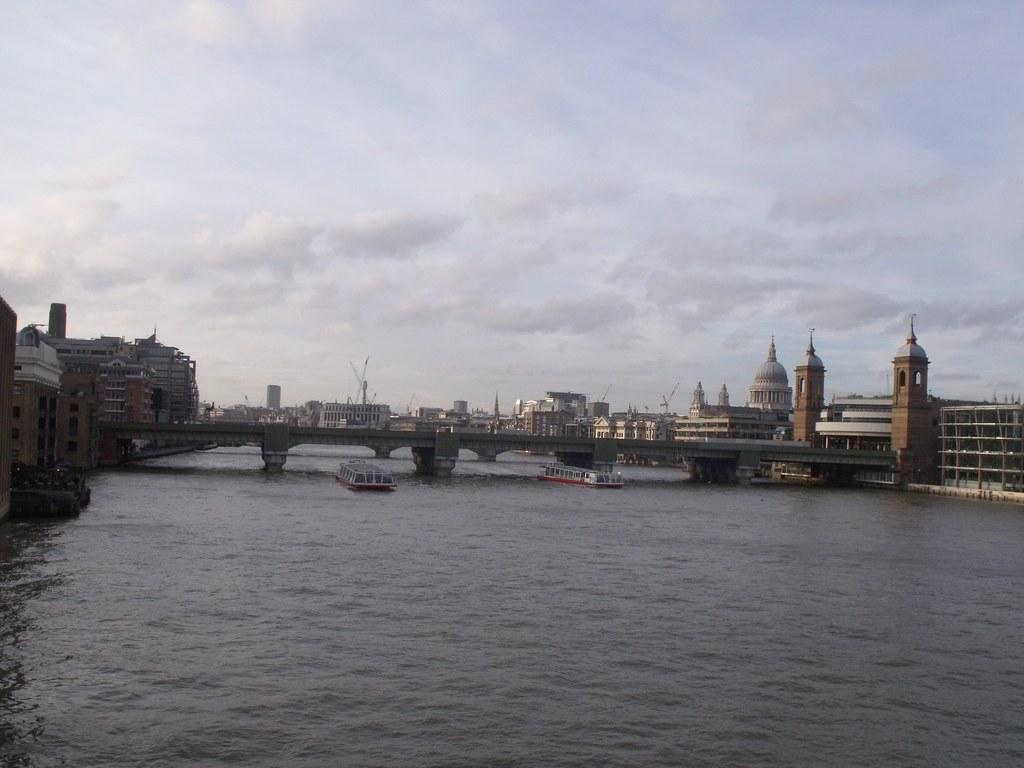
[911, 419]
[809, 397]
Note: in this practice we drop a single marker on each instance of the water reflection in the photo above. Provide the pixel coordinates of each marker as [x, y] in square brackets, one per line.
[23, 553]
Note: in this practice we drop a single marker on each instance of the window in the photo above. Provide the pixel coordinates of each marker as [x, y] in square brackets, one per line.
[16, 433]
[17, 411]
[903, 379]
[72, 446]
[73, 425]
[73, 407]
[917, 378]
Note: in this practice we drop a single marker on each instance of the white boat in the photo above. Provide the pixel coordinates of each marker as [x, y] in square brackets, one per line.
[363, 476]
[590, 478]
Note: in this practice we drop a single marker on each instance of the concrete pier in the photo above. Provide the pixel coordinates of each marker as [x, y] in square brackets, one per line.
[275, 447]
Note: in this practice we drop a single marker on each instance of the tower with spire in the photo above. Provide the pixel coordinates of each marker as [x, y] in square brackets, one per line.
[809, 397]
[699, 403]
[911, 414]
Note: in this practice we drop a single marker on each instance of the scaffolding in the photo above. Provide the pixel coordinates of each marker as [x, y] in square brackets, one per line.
[983, 446]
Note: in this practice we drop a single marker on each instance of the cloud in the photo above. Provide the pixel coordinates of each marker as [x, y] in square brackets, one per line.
[44, 235]
[390, 234]
[582, 315]
[841, 307]
[219, 23]
[812, 108]
[543, 201]
[211, 22]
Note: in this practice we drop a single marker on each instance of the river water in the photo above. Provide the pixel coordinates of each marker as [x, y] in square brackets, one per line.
[202, 612]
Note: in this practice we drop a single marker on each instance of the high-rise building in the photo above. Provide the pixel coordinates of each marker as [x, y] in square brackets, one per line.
[8, 328]
[58, 325]
[461, 407]
[273, 397]
[175, 393]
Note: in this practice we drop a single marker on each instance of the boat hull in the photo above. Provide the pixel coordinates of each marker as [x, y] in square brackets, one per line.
[581, 483]
[366, 486]
[586, 478]
[359, 476]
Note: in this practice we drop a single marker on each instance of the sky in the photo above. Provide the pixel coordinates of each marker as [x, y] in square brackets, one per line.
[511, 198]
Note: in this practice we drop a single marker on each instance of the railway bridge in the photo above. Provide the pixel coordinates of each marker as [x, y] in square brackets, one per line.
[436, 453]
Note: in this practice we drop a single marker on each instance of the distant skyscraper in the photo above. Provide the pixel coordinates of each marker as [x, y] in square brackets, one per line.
[58, 325]
[460, 407]
[273, 397]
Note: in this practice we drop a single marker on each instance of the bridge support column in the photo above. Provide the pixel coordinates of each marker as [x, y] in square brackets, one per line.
[581, 460]
[275, 447]
[487, 455]
[440, 460]
[383, 451]
[716, 471]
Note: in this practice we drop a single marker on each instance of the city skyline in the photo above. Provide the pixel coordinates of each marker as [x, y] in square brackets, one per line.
[520, 197]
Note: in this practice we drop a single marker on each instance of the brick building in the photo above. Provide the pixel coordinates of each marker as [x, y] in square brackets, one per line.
[8, 329]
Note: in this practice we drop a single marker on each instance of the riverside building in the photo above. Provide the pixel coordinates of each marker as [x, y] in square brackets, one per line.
[8, 329]
[982, 446]
[34, 402]
[341, 415]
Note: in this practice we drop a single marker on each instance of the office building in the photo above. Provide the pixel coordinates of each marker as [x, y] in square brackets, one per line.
[982, 446]
[273, 397]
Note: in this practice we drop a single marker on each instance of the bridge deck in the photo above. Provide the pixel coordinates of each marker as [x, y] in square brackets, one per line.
[743, 451]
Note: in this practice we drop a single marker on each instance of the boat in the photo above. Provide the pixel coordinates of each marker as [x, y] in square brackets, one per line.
[363, 476]
[589, 478]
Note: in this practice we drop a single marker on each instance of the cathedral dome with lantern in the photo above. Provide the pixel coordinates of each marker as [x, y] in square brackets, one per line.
[771, 390]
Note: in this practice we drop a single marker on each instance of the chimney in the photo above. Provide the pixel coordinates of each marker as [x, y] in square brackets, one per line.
[58, 325]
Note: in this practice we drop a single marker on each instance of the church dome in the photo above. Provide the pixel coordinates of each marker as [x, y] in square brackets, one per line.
[911, 348]
[771, 390]
[771, 370]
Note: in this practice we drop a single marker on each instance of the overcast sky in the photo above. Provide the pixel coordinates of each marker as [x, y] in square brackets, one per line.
[522, 196]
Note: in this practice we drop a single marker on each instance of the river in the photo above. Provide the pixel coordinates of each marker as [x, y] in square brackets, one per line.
[203, 612]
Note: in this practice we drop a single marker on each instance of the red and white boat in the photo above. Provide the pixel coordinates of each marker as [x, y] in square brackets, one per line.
[589, 478]
[363, 476]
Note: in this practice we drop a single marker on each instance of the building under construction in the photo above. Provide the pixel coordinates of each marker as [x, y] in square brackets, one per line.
[983, 446]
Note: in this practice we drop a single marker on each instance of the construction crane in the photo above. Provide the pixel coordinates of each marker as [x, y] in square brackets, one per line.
[665, 400]
[602, 399]
[408, 408]
[361, 378]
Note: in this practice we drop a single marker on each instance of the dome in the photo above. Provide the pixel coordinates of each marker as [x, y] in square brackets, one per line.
[911, 348]
[770, 390]
[771, 370]
[29, 336]
[811, 360]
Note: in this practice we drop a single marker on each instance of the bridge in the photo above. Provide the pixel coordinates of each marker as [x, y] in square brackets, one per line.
[436, 453]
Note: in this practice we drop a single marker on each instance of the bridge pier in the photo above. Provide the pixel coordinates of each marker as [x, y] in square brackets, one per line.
[440, 460]
[383, 451]
[715, 471]
[581, 460]
[275, 447]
